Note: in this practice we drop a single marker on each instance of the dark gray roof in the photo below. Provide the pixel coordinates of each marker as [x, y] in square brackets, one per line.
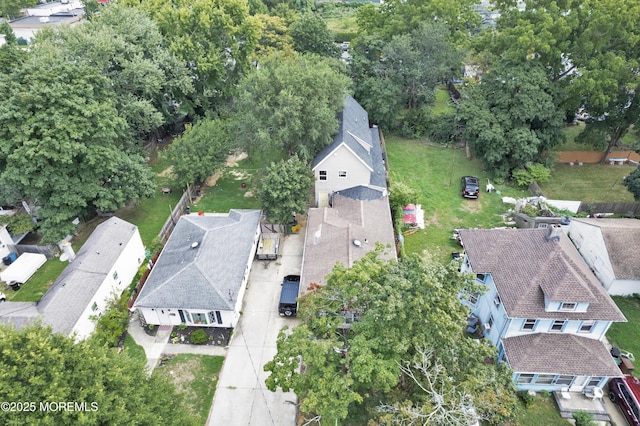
[559, 353]
[18, 314]
[525, 267]
[208, 276]
[362, 193]
[354, 131]
[622, 239]
[63, 304]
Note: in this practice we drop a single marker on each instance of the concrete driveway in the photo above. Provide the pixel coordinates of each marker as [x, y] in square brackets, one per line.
[241, 397]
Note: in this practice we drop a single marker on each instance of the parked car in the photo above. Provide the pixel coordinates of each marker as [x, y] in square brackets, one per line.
[625, 391]
[288, 305]
[470, 187]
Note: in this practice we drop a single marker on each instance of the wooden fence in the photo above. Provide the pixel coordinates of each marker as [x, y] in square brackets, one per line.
[179, 210]
[49, 251]
[632, 209]
[142, 281]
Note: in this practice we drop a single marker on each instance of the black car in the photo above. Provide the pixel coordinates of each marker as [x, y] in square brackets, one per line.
[470, 187]
[288, 305]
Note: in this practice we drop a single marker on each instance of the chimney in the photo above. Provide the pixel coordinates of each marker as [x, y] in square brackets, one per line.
[68, 250]
[553, 233]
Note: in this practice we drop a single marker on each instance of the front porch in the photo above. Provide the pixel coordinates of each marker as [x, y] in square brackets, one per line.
[569, 402]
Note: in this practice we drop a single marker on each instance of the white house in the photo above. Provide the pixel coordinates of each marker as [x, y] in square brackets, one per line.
[355, 158]
[611, 248]
[201, 275]
[543, 308]
[105, 265]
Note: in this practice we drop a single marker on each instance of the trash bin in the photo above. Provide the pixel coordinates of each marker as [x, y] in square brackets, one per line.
[13, 256]
[6, 260]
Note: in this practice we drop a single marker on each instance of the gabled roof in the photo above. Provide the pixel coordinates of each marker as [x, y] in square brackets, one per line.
[63, 304]
[355, 133]
[526, 267]
[209, 275]
[331, 232]
[18, 314]
[622, 239]
[362, 193]
[559, 353]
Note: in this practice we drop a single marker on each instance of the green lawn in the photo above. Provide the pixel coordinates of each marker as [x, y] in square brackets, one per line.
[435, 173]
[543, 411]
[442, 104]
[37, 285]
[589, 183]
[626, 335]
[134, 350]
[195, 377]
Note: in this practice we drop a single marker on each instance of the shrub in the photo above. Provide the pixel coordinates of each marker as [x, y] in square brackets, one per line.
[538, 172]
[198, 337]
[583, 418]
[527, 398]
[522, 177]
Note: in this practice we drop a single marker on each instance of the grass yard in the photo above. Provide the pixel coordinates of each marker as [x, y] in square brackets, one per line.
[134, 350]
[442, 104]
[37, 285]
[543, 411]
[195, 377]
[626, 335]
[435, 173]
[589, 183]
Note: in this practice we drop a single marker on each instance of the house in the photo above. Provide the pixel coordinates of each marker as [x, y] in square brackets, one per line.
[105, 265]
[355, 158]
[543, 308]
[611, 248]
[357, 220]
[202, 272]
[25, 28]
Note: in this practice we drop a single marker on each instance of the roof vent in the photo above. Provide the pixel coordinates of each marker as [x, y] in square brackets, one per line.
[194, 244]
[44, 19]
[357, 243]
[553, 233]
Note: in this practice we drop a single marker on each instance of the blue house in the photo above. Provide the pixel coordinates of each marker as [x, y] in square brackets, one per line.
[543, 309]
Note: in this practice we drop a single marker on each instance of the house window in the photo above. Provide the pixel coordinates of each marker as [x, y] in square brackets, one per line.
[218, 317]
[497, 300]
[525, 378]
[595, 381]
[115, 275]
[323, 175]
[529, 324]
[94, 307]
[212, 318]
[545, 379]
[568, 307]
[542, 225]
[342, 174]
[490, 322]
[564, 380]
[587, 326]
[557, 325]
[480, 277]
[199, 318]
[473, 299]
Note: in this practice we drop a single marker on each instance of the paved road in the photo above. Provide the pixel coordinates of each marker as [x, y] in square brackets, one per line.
[241, 397]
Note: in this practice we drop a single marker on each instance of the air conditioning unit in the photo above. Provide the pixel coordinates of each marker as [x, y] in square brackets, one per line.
[487, 326]
[496, 301]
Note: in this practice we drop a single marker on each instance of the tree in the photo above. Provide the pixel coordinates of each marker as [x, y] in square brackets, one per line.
[11, 55]
[216, 39]
[274, 37]
[399, 309]
[292, 103]
[200, 151]
[311, 35]
[63, 143]
[285, 188]
[510, 118]
[45, 372]
[10, 9]
[632, 182]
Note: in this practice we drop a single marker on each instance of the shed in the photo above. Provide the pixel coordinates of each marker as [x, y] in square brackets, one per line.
[23, 268]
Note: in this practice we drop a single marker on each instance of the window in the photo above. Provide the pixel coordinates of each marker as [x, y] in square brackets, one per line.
[594, 381]
[480, 277]
[568, 307]
[557, 325]
[529, 324]
[199, 318]
[525, 378]
[115, 275]
[342, 174]
[490, 322]
[323, 175]
[212, 318]
[94, 307]
[497, 301]
[473, 299]
[587, 326]
[564, 380]
[542, 225]
[545, 379]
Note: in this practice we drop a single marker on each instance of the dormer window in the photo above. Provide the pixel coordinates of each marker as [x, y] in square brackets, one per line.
[568, 307]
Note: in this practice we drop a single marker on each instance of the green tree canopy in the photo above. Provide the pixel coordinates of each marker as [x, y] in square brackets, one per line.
[10, 9]
[38, 366]
[285, 188]
[632, 182]
[311, 35]
[511, 118]
[398, 310]
[289, 105]
[200, 151]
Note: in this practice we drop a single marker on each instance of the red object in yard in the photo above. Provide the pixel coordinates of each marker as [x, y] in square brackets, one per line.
[200, 213]
[409, 214]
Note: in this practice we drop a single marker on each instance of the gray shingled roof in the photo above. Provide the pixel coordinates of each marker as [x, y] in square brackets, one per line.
[525, 267]
[622, 239]
[559, 353]
[208, 276]
[331, 231]
[63, 304]
[18, 314]
[353, 131]
[361, 193]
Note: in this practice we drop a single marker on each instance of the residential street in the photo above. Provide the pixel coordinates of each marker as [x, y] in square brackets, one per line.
[241, 397]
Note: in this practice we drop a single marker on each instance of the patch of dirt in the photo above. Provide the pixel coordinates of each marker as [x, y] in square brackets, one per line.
[248, 194]
[166, 172]
[240, 174]
[182, 374]
[211, 180]
[432, 221]
[472, 206]
[232, 160]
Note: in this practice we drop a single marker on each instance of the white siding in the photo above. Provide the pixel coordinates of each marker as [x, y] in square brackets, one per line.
[342, 159]
[624, 287]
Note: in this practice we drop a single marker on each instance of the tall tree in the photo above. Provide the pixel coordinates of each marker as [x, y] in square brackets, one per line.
[285, 188]
[311, 35]
[398, 310]
[274, 37]
[44, 372]
[216, 39]
[510, 118]
[11, 55]
[10, 9]
[290, 104]
[63, 144]
[632, 182]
